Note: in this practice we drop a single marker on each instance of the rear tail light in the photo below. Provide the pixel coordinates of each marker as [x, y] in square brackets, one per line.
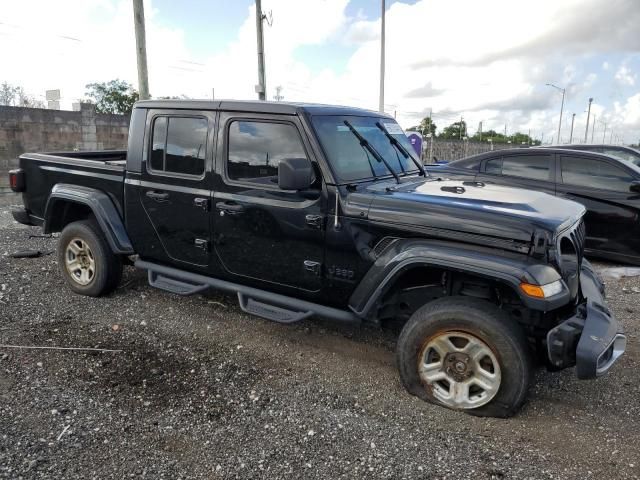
[16, 180]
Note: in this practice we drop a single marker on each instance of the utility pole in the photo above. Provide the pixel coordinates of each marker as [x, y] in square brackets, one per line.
[561, 107]
[604, 133]
[277, 97]
[573, 119]
[261, 88]
[460, 129]
[141, 49]
[382, 47]
[586, 132]
[480, 130]
[433, 136]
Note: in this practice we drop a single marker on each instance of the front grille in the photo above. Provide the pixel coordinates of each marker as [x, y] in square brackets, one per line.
[571, 253]
[578, 235]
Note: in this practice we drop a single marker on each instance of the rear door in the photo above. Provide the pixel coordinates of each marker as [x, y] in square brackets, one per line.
[613, 211]
[174, 189]
[262, 233]
[529, 170]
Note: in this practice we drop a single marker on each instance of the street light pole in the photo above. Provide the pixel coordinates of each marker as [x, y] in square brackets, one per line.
[573, 119]
[561, 106]
[382, 28]
[586, 132]
[593, 127]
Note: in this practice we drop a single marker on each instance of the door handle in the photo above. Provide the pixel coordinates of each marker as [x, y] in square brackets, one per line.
[157, 196]
[229, 208]
[202, 203]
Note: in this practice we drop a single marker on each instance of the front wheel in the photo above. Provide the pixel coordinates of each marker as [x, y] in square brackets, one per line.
[465, 354]
[86, 261]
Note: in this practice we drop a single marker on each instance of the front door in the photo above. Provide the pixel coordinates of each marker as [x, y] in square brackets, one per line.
[529, 170]
[613, 211]
[262, 233]
[173, 189]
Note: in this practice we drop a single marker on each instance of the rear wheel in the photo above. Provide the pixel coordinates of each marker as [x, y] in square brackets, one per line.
[86, 261]
[465, 354]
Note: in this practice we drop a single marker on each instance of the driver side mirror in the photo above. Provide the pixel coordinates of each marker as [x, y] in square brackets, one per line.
[295, 174]
[635, 186]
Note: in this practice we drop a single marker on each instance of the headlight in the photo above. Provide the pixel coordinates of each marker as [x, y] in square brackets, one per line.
[542, 291]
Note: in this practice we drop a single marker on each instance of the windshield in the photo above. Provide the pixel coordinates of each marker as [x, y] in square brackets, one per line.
[350, 160]
[627, 155]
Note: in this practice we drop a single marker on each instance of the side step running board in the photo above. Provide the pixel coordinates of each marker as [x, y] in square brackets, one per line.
[270, 312]
[172, 285]
[272, 306]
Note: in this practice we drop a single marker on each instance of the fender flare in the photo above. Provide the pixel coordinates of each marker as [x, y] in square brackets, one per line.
[403, 255]
[103, 209]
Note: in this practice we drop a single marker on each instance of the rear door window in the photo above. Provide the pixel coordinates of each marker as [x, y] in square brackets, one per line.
[588, 172]
[533, 167]
[178, 145]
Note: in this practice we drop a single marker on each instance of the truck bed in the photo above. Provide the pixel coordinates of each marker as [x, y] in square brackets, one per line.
[103, 170]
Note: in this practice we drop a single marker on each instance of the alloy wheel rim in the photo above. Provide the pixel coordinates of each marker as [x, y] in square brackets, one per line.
[79, 261]
[460, 370]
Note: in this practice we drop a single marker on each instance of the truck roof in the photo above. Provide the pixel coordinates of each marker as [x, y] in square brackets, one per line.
[287, 108]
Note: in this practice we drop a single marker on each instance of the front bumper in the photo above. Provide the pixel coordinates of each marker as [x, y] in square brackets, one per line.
[592, 339]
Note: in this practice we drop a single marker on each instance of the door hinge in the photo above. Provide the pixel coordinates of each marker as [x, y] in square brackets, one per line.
[202, 244]
[202, 203]
[314, 221]
[313, 267]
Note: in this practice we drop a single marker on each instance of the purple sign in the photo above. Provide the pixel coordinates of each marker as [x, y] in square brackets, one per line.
[416, 141]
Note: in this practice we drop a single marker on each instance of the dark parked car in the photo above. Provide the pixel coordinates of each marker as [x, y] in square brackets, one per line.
[304, 210]
[608, 187]
[618, 151]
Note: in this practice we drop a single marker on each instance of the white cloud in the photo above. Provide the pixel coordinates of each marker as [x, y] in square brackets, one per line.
[486, 60]
[629, 112]
[625, 76]
[68, 44]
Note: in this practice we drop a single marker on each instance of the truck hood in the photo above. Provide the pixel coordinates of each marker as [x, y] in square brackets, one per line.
[446, 207]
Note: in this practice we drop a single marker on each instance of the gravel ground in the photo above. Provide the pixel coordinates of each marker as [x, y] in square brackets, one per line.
[197, 389]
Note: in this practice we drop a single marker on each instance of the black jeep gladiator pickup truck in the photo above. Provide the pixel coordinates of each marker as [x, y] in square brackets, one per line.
[307, 210]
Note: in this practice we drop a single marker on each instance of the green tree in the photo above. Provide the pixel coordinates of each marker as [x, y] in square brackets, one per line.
[426, 126]
[115, 96]
[515, 139]
[453, 131]
[15, 96]
[8, 94]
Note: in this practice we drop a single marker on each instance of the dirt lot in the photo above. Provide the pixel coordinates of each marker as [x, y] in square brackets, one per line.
[200, 390]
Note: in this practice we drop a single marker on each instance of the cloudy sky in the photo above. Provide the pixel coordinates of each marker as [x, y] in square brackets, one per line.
[486, 61]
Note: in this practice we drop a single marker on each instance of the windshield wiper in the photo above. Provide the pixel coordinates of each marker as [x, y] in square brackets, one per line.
[394, 141]
[365, 143]
[373, 172]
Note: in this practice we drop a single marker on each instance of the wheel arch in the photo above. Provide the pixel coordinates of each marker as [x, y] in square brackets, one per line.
[69, 203]
[410, 255]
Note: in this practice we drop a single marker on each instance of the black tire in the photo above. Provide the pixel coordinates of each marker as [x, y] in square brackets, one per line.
[107, 266]
[482, 320]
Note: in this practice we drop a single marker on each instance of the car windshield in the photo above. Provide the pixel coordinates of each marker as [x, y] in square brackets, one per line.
[352, 161]
[627, 155]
